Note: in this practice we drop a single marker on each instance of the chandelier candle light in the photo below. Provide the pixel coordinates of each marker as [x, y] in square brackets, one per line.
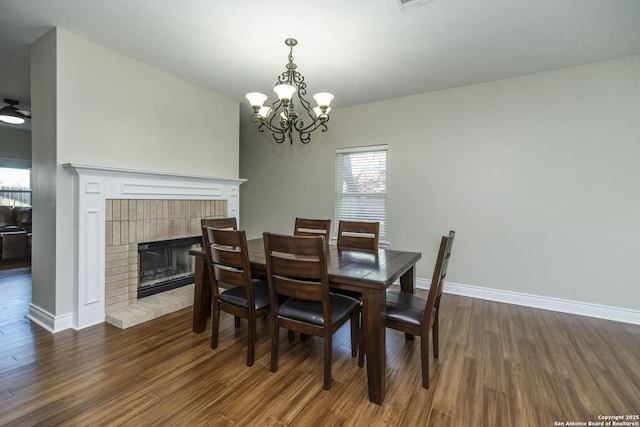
[282, 118]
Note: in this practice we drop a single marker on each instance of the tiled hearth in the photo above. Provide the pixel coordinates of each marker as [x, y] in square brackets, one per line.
[129, 222]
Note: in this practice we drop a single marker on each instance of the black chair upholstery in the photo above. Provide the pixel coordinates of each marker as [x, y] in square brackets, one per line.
[238, 295]
[406, 308]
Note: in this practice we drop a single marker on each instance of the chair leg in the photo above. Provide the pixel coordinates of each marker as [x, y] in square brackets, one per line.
[291, 335]
[251, 341]
[360, 342]
[215, 325]
[237, 322]
[424, 356]
[436, 335]
[355, 327]
[275, 342]
[327, 359]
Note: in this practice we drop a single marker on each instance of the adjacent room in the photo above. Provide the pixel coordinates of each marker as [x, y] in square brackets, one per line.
[245, 213]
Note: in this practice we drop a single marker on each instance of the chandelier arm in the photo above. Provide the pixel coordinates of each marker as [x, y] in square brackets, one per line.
[277, 133]
[304, 133]
[282, 128]
[307, 108]
[271, 128]
[298, 80]
[284, 78]
[302, 90]
[301, 128]
[298, 123]
[305, 138]
[277, 107]
[314, 125]
[279, 139]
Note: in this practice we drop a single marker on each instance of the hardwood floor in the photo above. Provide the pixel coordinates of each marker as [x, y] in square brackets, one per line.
[500, 365]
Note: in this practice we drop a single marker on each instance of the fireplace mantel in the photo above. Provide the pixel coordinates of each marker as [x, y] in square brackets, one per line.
[92, 186]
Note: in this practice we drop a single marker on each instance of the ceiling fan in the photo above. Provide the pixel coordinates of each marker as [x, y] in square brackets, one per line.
[12, 115]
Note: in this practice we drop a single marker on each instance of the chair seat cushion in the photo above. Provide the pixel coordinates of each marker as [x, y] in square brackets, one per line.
[238, 296]
[405, 307]
[311, 311]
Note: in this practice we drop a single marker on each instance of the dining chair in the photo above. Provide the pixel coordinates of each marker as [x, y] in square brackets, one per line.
[313, 227]
[244, 296]
[229, 223]
[358, 235]
[297, 269]
[414, 315]
[223, 223]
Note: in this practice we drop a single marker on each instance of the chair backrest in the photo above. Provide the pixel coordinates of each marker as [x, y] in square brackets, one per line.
[228, 259]
[439, 274]
[313, 227]
[224, 223]
[358, 235]
[297, 268]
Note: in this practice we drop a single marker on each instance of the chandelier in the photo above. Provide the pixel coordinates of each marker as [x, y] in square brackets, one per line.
[282, 118]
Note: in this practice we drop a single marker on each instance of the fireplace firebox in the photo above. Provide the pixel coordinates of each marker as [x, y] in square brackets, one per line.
[165, 265]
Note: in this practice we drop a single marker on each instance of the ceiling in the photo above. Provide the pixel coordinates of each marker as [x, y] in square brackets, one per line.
[360, 50]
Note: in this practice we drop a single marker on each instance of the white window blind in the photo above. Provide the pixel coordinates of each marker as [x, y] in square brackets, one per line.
[361, 186]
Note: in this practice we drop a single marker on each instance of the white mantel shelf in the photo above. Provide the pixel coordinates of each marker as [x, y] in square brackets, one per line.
[92, 186]
[81, 169]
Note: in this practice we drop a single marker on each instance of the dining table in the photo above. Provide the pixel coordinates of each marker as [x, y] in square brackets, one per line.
[368, 272]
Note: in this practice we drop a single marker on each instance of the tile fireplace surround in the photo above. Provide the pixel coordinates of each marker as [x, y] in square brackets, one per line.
[129, 222]
[119, 208]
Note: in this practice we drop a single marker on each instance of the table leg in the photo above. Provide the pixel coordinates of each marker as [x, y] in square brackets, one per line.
[408, 280]
[373, 314]
[201, 296]
[407, 284]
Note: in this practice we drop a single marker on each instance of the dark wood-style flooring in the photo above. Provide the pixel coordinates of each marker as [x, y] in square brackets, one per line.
[500, 365]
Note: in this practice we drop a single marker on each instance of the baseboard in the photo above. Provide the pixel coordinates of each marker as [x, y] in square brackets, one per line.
[41, 317]
[48, 321]
[536, 301]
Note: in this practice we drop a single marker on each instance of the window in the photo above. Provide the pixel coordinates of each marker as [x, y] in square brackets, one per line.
[361, 186]
[15, 187]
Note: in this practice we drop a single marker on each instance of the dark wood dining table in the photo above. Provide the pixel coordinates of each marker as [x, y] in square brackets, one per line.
[369, 273]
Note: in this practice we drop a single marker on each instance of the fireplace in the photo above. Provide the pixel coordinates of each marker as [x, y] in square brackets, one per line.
[165, 265]
[115, 210]
[131, 224]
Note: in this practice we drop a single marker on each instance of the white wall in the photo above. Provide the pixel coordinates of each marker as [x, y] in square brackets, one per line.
[113, 111]
[44, 167]
[15, 148]
[116, 111]
[537, 174]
